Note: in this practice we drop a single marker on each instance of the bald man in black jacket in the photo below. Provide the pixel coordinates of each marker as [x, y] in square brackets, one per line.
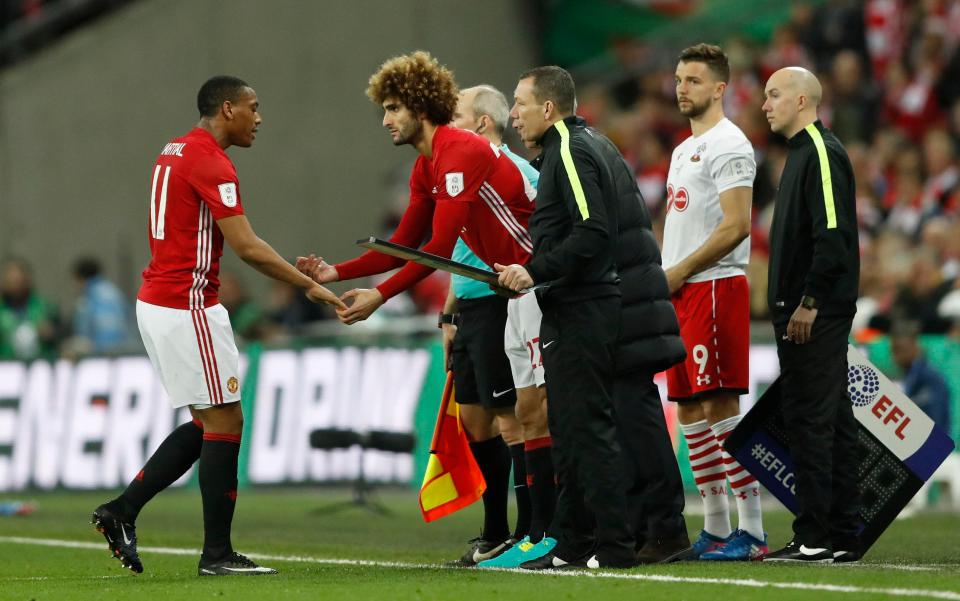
[812, 293]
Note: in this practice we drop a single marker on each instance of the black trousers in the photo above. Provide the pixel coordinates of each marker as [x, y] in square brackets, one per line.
[578, 341]
[823, 434]
[654, 488]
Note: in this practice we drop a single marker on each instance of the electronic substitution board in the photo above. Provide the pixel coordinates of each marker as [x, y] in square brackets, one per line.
[899, 446]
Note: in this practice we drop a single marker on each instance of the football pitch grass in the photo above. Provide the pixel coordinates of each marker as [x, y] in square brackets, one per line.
[356, 555]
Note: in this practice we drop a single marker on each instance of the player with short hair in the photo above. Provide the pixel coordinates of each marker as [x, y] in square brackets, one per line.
[195, 205]
[706, 247]
[462, 185]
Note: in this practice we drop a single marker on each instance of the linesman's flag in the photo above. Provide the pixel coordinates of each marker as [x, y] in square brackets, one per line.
[452, 480]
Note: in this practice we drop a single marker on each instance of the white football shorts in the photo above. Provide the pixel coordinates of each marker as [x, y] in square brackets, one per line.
[194, 353]
[521, 341]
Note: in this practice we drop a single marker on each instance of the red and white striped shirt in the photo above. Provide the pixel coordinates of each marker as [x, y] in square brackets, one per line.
[192, 185]
[468, 188]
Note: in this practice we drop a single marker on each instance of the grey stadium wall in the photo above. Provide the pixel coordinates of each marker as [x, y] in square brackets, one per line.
[82, 121]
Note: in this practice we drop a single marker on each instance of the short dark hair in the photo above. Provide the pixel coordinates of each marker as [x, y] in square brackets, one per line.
[217, 90]
[710, 55]
[86, 268]
[555, 84]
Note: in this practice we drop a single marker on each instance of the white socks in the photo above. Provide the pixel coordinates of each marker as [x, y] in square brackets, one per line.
[745, 488]
[710, 475]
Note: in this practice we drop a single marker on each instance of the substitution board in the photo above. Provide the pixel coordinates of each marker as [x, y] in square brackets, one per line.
[900, 446]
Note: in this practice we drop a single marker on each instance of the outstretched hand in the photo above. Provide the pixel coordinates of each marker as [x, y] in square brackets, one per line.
[319, 294]
[316, 268]
[365, 302]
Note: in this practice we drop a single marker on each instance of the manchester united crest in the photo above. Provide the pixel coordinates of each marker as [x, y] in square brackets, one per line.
[232, 385]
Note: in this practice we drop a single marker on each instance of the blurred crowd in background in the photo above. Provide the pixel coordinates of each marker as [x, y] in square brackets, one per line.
[891, 76]
[101, 318]
[16, 11]
[890, 70]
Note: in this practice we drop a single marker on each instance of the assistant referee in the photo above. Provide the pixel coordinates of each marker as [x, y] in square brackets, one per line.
[812, 294]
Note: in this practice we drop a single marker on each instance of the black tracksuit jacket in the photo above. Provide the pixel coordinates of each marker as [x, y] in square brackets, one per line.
[574, 226]
[814, 247]
[649, 339]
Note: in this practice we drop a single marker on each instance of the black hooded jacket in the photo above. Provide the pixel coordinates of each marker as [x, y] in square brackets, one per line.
[649, 339]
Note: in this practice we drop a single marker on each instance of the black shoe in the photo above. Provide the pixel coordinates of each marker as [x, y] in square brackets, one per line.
[846, 556]
[480, 550]
[661, 549]
[551, 562]
[687, 554]
[121, 537]
[595, 563]
[231, 565]
[795, 551]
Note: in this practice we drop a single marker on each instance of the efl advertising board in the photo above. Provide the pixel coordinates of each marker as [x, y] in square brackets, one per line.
[900, 447]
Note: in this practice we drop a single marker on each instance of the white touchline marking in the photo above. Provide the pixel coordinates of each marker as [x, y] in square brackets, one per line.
[743, 582]
[49, 578]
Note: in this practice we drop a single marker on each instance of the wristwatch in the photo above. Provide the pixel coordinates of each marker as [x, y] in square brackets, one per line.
[808, 302]
[450, 318]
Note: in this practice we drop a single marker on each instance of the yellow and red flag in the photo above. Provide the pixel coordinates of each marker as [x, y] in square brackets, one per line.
[452, 480]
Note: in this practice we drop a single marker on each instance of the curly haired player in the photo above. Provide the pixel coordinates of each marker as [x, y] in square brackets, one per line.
[462, 185]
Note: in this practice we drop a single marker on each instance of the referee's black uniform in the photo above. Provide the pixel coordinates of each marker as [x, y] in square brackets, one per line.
[814, 260]
[574, 230]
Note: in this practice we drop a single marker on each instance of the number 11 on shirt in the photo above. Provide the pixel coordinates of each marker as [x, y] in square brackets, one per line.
[156, 215]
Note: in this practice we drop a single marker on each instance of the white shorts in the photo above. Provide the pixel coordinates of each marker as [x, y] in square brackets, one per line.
[194, 353]
[521, 341]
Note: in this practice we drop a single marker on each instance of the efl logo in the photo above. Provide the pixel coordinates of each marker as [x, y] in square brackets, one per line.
[454, 183]
[228, 194]
[889, 413]
[863, 384]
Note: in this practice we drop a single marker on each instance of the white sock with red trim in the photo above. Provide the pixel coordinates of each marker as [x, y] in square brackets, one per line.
[710, 475]
[746, 489]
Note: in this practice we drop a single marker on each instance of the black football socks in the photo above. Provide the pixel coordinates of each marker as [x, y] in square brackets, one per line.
[542, 484]
[493, 459]
[520, 491]
[218, 487]
[178, 451]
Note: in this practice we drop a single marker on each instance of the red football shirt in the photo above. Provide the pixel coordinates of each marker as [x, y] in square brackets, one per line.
[468, 188]
[192, 185]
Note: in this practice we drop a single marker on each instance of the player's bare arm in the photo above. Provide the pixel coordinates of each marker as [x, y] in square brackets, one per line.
[261, 256]
[732, 230]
